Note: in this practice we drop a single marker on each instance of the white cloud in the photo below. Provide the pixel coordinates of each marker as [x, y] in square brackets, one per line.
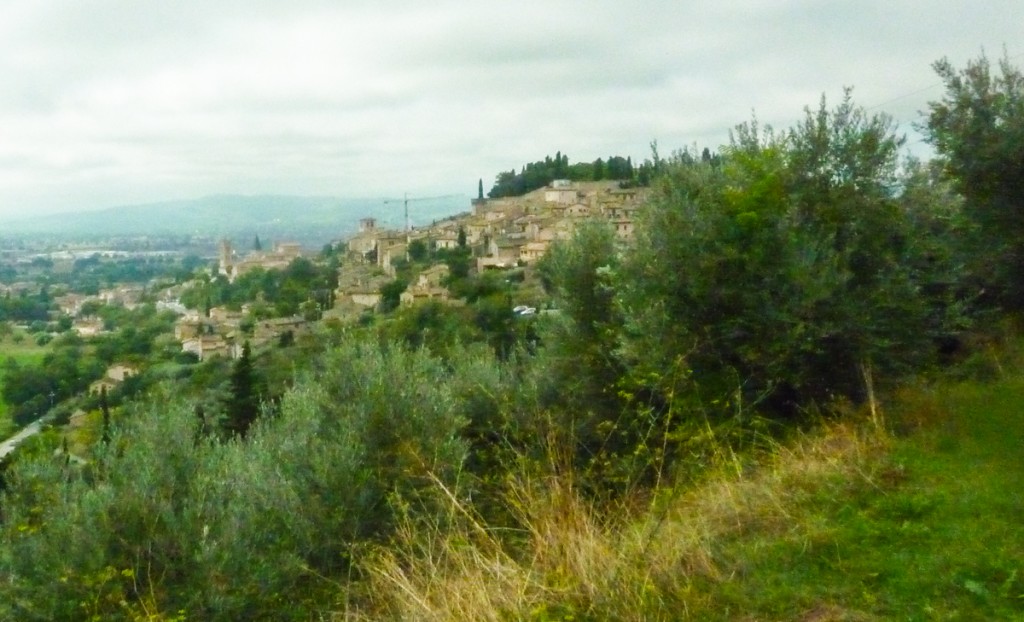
[110, 102]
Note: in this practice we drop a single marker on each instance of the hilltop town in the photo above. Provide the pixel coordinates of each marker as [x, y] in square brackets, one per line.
[496, 235]
[499, 234]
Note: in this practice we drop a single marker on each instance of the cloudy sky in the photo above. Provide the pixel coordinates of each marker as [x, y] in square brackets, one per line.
[105, 103]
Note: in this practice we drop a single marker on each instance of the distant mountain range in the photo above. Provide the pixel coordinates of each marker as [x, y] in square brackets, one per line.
[310, 219]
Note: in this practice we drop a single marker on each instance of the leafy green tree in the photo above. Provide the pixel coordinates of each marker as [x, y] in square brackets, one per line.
[619, 168]
[434, 325]
[25, 307]
[64, 323]
[580, 276]
[581, 171]
[190, 263]
[390, 294]
[418, 251]
[541, 173]
[581, 358]
[66, 370]
[978, 130]
[310, 311]
[495, 319]
[781, 276]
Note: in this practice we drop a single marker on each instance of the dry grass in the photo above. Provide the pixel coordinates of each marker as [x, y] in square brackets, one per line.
[574, 561]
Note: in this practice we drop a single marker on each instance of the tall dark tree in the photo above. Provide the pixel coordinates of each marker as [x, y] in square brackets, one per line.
[391, 293]
[243, 403]
[256, 244]
[203, 426]
[418, 250]
[480, 189]
[105, 408]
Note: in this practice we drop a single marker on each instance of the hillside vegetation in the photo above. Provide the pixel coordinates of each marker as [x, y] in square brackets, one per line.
[23, 351]
[846, 523]
[791, 396]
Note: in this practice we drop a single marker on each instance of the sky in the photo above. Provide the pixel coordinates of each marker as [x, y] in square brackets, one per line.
[106, 103]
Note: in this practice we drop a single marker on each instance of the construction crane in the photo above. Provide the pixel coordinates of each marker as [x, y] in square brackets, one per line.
[406, 200]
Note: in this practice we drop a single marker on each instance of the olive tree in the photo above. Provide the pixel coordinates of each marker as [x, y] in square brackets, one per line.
[779, 276]
[977, 127]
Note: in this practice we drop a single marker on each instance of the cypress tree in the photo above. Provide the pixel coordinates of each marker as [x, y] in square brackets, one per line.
[243, 404]
[202, 429]
[105, 408]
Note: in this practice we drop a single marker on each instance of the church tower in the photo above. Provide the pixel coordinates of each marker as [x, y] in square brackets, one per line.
[227, 265]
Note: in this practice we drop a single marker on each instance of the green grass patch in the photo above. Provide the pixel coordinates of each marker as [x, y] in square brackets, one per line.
[25, 352]
[932, 532]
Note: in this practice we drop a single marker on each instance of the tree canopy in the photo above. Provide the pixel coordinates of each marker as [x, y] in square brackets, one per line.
[538, 174]
[977, 128]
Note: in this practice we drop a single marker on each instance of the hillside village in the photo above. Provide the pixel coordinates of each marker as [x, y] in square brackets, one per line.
[500, 234]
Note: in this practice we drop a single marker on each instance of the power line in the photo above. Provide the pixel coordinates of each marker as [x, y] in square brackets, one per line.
[904, 96]
[927, 88]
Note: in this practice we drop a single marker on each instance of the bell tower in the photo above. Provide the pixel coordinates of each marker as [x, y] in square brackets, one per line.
[227, 265]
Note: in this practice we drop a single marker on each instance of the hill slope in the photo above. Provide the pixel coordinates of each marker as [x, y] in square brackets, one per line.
[847, 524]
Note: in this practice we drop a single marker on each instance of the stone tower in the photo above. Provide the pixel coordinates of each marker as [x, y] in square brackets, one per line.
[227, 265]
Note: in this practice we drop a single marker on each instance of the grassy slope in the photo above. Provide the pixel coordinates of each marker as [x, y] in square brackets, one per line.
[848, 524]
[934, 532]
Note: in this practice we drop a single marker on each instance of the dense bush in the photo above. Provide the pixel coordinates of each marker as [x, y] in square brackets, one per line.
[168, 519]
[780, 276]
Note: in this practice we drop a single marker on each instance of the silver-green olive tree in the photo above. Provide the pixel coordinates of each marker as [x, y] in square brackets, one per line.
[977, 128]
[780, 275]
[164, 519]
[579, 275]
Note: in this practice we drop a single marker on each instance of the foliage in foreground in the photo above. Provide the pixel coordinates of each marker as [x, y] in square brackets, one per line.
[166, 519]
[849, 523]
